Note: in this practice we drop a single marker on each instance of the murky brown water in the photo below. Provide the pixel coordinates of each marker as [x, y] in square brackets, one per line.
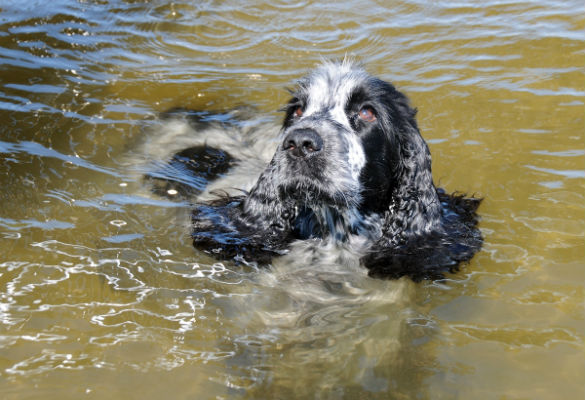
[102, 295]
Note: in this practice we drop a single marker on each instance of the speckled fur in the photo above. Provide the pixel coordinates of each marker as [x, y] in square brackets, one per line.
[370, 184]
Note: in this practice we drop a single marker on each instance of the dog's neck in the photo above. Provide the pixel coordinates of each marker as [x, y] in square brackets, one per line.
[329, 222]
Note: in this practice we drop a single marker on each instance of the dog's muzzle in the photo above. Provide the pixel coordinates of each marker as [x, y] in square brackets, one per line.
[302, 143]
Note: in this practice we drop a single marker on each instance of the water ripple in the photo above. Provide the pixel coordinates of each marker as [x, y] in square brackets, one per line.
[37, 149]
[99, 282]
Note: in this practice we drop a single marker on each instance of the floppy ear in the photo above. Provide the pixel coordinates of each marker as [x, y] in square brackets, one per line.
[415, 200]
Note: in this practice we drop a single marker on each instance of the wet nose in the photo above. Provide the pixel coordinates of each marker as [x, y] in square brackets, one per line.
[302, 143]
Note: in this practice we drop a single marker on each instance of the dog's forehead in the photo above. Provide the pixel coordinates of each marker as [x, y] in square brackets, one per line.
[331, 85]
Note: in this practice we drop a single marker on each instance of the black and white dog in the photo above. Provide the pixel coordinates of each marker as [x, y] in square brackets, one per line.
[350, 167]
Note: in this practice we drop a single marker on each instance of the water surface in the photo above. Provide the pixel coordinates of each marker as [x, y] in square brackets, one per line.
[102, 295]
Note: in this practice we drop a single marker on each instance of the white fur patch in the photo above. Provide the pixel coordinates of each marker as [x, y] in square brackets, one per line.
[330, 88]
[356, 157]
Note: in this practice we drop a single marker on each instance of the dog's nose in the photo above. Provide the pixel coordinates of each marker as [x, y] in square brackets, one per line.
[302, 143]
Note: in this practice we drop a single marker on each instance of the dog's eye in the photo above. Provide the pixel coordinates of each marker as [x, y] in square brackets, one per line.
[367, 114]
[298, 111]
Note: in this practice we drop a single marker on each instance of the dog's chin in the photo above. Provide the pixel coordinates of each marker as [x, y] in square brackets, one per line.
[306, 192]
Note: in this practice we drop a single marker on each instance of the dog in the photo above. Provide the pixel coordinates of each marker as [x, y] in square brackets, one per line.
[350, 169]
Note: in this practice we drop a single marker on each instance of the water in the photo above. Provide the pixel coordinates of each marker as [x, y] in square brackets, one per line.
[102, 295]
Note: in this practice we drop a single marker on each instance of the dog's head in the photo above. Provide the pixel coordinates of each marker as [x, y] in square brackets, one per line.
[343, 140]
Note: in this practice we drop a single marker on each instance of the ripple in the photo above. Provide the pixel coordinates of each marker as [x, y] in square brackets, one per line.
[570, 174]
[519, 337]
[99, 275]
[49, 360]
[31, 223]
[37, 149]
[123, 238]
[36, 88]
[565, 153]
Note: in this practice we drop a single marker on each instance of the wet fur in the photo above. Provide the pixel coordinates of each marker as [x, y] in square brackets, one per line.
[370, 187]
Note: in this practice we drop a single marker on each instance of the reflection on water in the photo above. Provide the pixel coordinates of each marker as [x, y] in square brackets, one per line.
[102, 294]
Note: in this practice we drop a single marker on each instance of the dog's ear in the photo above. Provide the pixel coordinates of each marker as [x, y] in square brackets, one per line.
[415, 192]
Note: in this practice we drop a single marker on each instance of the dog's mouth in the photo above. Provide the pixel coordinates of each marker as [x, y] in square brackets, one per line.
[316, 175]
[306, 192]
